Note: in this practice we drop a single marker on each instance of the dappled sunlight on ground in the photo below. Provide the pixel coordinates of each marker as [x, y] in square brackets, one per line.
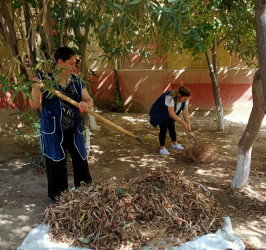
[23, 195]
[241, 115]
[133, 120]
[126, 156]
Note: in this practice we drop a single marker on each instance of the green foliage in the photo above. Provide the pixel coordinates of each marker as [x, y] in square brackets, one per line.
[230, 23]
[127, 27]
[240, 29]
[7, 85]
[32, 135]
[160, 26]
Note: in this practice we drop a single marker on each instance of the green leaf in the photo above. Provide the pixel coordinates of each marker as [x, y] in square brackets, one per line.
[38, 64]
[93, 73]
[176, 28]
[157, 189]
[114, 6]
[17, 4]
[84, 240]
[135, 2]
[23, 96]
[102, 28]
[121, 190]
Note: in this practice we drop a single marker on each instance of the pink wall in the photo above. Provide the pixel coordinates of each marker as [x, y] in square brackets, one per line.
[6, 102]
[140, 88]
[103, 89]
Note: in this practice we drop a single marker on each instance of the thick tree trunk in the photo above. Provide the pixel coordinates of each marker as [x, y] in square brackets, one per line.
[260, 15]
[30, 34]
[8, 29]
[216, 90]
[246, 142]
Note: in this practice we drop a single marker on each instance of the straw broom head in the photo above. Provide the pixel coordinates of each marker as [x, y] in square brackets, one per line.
[200, 152]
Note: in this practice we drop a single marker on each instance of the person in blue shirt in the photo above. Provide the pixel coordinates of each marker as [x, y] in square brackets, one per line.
[61, 124]
[166, 110]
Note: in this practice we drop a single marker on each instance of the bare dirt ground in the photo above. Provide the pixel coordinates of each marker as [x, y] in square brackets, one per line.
[23, 189]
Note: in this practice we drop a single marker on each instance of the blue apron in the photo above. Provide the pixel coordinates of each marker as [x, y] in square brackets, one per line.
[51, 129]
[159, 111]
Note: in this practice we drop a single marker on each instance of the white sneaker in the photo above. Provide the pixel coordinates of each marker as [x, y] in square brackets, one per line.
[177, 146]
[164, 151]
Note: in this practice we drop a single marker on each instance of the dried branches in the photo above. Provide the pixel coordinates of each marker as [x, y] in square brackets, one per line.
[201, 152]
[132, 212]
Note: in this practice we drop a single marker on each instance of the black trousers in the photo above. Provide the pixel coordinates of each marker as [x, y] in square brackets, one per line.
[57, 170]
[170, 125]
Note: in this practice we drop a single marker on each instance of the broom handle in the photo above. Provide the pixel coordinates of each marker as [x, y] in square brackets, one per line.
[64, 97]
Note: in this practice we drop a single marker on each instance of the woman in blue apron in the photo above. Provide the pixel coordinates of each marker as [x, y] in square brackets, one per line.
[61, 124]
[166, 110]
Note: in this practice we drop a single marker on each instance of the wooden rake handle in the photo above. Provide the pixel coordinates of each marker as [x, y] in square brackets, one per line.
[191, 137]
[71, 101]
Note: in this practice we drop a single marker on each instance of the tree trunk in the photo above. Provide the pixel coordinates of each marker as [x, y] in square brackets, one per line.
[246, 142]
[47, 27]
[117, 102]
[214, 60]
[30, 35]
[260, 15]
[216, 89]
[85, 48]
[7, 27]
[62, 33]
[87, 135]
[90, 119]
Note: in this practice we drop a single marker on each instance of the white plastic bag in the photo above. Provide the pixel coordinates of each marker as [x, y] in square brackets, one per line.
[223, 239]
[38, 238]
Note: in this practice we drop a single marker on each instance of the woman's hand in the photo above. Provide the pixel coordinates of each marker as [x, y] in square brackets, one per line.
[83, 106]
[186, 126]
[87, 102]
[172, 113]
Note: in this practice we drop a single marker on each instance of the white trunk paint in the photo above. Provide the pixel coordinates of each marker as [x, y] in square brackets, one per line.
[87, 140]
[90, 124]
[243, 169]
[87, 136]
[93, 124]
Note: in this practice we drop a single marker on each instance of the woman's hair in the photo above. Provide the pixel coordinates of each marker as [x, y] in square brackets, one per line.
[78, 60]
[63, 53]
[182, 91]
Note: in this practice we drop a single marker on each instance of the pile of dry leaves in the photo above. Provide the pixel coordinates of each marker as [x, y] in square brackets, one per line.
[201, 152]
[133, 212]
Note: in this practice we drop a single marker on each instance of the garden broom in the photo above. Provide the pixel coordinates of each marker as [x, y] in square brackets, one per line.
[198, 151]
[101, 118]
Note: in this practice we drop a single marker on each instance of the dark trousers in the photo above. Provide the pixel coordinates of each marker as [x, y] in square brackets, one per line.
[170, 125]
[57, 170]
